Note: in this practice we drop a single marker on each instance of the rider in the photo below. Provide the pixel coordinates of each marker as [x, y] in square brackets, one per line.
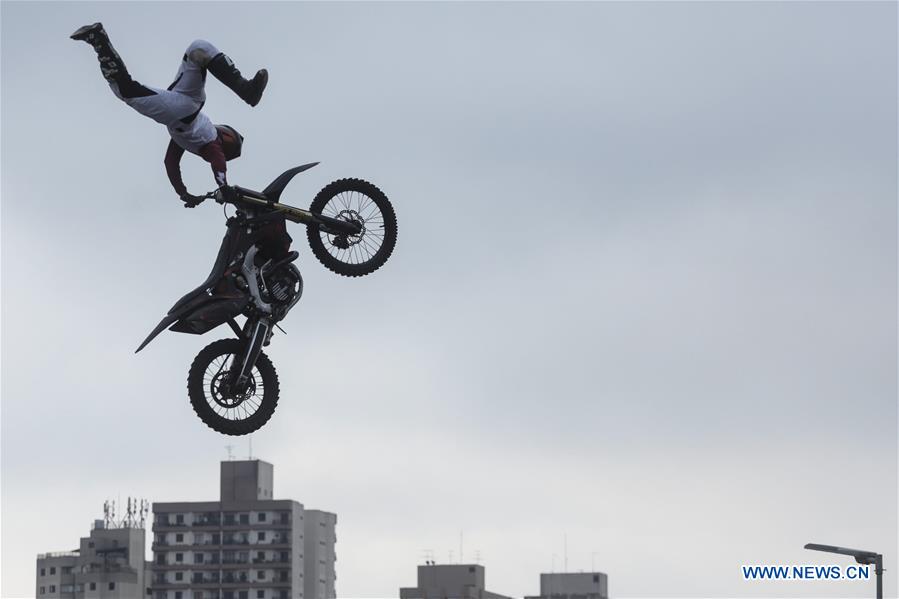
[179, 106]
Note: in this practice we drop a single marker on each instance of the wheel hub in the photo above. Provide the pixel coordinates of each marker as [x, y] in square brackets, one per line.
[345, 241]
[227, 395]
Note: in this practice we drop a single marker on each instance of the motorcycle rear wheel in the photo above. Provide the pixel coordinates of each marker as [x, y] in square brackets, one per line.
[354, 200]
[225, 412]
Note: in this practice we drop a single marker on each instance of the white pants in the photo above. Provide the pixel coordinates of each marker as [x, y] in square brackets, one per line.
[184, 97]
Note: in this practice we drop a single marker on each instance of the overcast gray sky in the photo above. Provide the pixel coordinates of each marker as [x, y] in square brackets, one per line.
[644, 293]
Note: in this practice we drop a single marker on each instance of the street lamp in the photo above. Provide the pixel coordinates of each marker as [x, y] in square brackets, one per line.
[861, 557]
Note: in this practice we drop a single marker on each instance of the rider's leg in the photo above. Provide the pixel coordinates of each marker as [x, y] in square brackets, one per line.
[111, 64]
[162, 106]
[250, 91]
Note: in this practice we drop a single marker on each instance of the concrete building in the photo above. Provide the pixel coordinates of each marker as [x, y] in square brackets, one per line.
[246, 545]
[108, 564]
[455, 581]
[573, 585]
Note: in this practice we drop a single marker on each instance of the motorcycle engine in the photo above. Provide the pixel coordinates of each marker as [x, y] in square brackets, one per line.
[283, 285]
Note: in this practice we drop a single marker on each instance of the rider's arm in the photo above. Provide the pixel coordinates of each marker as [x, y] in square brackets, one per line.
[173, 167]
[214, 155]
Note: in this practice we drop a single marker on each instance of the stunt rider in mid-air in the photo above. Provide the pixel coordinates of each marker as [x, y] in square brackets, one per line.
[179, 106]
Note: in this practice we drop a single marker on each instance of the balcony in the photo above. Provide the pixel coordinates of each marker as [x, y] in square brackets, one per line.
[74, 553]
[235, 578]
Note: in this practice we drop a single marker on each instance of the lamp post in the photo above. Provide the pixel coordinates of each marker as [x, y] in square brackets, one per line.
[861, 557]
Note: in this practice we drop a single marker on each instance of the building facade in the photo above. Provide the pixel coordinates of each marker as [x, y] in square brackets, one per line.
[449, 581]
[246, 545]
[573, 585]
[108, 564]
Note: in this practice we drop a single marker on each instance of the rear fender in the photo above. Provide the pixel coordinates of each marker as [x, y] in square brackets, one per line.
[165, 322]
[274, 189]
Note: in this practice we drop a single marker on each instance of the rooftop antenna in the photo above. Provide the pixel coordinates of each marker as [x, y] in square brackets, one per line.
[230, 454]
[250, 439]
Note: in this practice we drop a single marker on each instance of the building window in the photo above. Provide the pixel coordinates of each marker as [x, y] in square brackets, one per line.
[285, 517]
[43, 589]
[179, 557]
[179, 538]
[260, 594]
[111, 586]
[160, 559]
[43, 571]
[262, 516]
[179, 576]
[52, 571]
[260, 535]
[52, 588]
[177, 594]
[179, 519]
[244, 518]
[67, 569]
[243, 594]
[198, 558]
[93, 586]
[260, 574]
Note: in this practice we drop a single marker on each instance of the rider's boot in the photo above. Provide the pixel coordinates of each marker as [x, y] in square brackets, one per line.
[250, 91]
[111, 64]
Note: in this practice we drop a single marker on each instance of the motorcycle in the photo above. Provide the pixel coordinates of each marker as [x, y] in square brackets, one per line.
[351, 228]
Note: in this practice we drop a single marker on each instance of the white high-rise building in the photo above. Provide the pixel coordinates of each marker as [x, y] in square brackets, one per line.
[108, 564]
[246, 545]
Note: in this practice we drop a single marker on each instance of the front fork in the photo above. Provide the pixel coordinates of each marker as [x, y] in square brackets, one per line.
[256, 332]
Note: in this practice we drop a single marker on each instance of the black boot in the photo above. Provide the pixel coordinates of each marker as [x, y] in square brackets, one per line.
[81, 34]
[223, 69]
[111, 64]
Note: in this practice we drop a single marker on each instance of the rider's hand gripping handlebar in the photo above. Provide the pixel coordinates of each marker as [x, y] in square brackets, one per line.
[224, 194]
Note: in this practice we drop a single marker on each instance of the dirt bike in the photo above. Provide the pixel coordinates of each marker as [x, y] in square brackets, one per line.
[351, 228]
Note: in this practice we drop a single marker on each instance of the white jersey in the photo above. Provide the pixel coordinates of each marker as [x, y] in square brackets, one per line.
[194, 135]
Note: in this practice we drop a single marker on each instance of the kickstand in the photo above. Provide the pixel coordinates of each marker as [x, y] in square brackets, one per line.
[280, 329]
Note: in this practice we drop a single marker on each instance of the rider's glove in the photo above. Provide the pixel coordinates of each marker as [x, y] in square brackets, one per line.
[191, 200]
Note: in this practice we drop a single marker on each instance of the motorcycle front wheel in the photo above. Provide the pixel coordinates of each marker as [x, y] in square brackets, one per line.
[222, 409]
[358, 201]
